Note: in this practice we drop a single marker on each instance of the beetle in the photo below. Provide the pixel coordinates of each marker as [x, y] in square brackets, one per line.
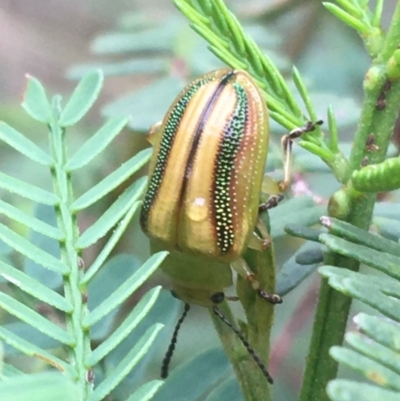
[202, 201]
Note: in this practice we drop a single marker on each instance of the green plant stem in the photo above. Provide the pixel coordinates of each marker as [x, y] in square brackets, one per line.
[257, 330]
[68, 224]
[259, 313]
[333, 307]
[252, 382]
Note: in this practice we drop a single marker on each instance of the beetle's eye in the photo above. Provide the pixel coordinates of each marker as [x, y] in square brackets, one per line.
[218, 297]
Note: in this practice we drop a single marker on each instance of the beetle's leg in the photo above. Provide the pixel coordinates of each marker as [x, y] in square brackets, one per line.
[232, 298]
[260, 243]
[240, 266]
[271, 186]
[218, 297]
[270, 203]
[286, 143]
[257, 243]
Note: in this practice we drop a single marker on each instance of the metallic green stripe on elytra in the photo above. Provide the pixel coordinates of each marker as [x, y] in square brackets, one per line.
[168, 135]
[207, 110]
[224, 171]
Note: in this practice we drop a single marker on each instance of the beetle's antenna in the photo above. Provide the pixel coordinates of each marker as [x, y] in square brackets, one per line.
[250, 350]
[171, 348]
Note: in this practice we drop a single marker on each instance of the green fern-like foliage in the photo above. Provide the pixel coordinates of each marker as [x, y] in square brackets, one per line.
[56, 325]
[213, 21]
[346, 245]
[372, 349]
[374, 346]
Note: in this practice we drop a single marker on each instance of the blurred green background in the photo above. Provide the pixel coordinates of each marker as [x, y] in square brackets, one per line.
[148, 53]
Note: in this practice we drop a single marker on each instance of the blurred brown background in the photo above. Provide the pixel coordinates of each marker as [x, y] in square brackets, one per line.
[45, 37]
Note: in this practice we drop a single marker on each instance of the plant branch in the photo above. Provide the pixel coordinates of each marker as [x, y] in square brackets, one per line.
[216, 24]
[257, 330]
[378, 116]
[252, 382]
[68, 224]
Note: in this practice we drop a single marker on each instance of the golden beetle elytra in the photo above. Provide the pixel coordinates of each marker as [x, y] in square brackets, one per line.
[203, 194]
[205, 180]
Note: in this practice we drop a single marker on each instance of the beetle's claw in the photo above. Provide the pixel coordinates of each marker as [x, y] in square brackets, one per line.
[266, 244]
[271, 298]
[308, 127]
[270, 203]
